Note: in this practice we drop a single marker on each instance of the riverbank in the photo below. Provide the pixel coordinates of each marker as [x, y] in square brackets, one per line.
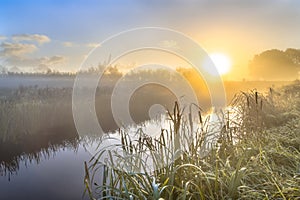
[263, 163]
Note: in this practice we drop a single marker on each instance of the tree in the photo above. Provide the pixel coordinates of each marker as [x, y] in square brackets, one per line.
[294, 55]
[276, 65]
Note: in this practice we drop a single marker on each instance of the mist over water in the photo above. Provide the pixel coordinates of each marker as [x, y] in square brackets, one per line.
[41, 153]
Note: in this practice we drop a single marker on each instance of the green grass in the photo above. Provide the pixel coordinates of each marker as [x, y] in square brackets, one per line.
[257, 155]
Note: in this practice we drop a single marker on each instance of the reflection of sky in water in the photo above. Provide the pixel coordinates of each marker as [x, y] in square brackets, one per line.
[112, 142]
[60, 177]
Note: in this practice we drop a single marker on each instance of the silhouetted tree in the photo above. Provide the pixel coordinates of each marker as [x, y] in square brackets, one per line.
[276, 65]
[293, 54]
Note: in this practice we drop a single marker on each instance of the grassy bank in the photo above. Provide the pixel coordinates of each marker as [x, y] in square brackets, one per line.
[257, 155]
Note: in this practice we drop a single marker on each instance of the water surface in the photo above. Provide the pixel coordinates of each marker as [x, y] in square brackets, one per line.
[55, 175]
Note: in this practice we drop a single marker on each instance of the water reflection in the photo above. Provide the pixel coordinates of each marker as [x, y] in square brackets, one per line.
[43, 168]
[50, 166]
[132, 148]
[32, 149]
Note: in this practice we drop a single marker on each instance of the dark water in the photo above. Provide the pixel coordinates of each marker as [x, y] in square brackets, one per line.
[56, 172]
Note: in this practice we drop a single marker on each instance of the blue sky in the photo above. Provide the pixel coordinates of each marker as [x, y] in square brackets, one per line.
[237, 28]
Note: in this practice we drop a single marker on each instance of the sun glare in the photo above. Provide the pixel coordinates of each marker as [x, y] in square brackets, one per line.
[222, 62]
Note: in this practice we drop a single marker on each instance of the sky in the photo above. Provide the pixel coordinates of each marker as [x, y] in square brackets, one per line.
[60, 34]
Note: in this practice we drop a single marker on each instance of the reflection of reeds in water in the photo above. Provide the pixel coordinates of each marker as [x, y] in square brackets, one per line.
[34, 123]
[32, 149]
[33, 120]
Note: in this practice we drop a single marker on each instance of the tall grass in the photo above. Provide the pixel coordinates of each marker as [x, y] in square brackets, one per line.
[35, 111]
[34, 124]
[30, 111]
[257, 155]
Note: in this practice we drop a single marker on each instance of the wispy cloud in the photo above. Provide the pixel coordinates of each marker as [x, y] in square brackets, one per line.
[20, 61]
[92, 45]
[41, 39]
[16, 49]
[68, 44]
[53, 60]
[15, 53]
[25, 62]
[74, 44]
[169, 44]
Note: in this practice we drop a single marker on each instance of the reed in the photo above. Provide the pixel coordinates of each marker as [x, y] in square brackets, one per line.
[257, 155]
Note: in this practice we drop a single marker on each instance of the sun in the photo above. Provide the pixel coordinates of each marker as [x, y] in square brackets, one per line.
[222, 62]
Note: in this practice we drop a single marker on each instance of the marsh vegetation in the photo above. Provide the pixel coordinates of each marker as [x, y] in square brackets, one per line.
[257, 155]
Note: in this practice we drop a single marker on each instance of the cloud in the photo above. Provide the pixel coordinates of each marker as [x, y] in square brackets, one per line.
[20, 61]
[68, 44]
[73, 44]
[16, 54]
[31, 37]
[92, 45]
[24, 62]
[2, 37]
[16, 49]
[169, 44]
[54, 60]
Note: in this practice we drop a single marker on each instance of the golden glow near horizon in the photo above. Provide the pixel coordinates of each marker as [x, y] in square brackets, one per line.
[222, 62]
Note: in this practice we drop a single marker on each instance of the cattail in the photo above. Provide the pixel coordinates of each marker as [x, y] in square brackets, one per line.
[271, 91]
[256, 97]
[248, 102]
[227, 120]
[191, 121]
[200, 117]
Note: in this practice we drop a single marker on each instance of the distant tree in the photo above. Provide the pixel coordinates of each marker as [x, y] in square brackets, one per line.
[15, 70]
[3, 70]
[42, 69]
[293, 54]
[49, 71]
[276, 65]
[113, 72]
